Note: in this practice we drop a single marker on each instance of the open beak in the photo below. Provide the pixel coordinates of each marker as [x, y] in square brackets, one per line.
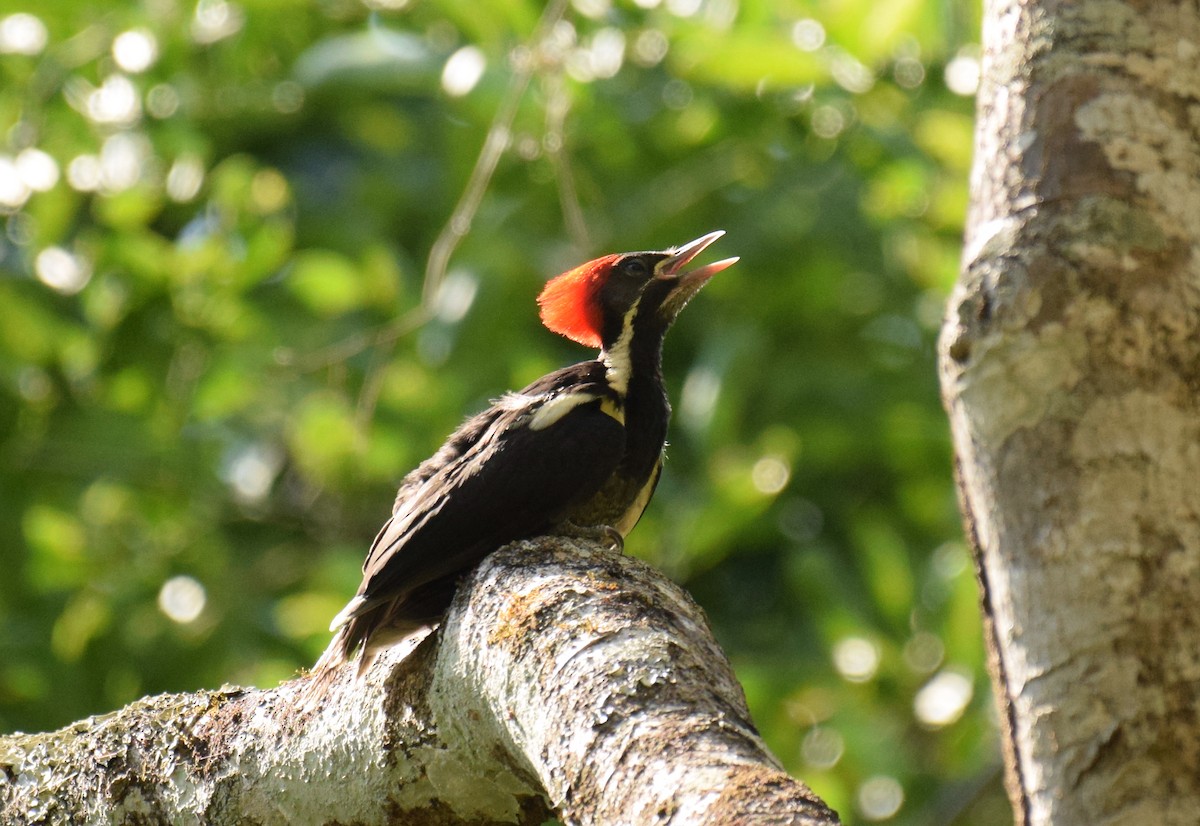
[689, 283]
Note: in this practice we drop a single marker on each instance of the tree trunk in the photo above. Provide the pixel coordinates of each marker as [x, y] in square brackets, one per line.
[565, 676]
[1071, 371]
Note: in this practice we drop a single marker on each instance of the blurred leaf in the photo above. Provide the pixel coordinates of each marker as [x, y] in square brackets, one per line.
[326, 281]
[306, 614]
[84, 618]
[900, 190]
[885, 24]
[213, 392]
[128, 210]
[57, 541]
[947, 136]
[744, 61]
[130, 390]
[28, 328]
[267, 252]
[887, 571]
[227, 388]
[322, 437]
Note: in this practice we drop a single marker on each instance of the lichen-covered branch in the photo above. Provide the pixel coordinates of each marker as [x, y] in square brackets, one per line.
[567, 678]
[1070, 371]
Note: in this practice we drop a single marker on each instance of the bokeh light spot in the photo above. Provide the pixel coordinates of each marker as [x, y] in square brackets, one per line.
[950, 559]
[22, 33]
[215, 20]
[182, 599]
[13, 190]
[607, 52]
[909, 72]
[942, 700]
[455, 296]
[61, 270]
[463, 71]
[923, 652]
[677, 94]
[162, 101]
[828, 121]
[135, 50]
[962, 74]
[251, 472]
[595, 9]
[115, 101]
[808, 35]
[851, 74]
[83, 173]
[770, 474]
[650, 47]
[122, 159]
[880, 797]
[856, 659]
[38, 170]
[185, 178]
[683, 8]
[822, 747]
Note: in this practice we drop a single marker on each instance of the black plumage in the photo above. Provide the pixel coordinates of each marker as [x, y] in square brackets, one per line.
[576, 452]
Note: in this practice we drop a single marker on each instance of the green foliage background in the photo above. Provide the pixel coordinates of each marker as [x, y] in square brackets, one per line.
[225, 362]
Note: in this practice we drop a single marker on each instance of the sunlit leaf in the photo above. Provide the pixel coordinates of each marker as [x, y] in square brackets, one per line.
[57, 541]
[744, 61]
[86, 616]
[947, 137]
[326, 281]
[322, 437]
[210, 379]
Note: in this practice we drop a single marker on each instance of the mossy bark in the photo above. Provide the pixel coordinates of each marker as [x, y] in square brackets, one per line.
[1071, 371]
[566, 679]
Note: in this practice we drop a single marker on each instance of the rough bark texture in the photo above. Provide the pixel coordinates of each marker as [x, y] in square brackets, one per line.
[1071, 371]
[566, 677]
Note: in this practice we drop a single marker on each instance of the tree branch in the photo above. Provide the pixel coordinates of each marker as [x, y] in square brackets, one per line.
[565, 676]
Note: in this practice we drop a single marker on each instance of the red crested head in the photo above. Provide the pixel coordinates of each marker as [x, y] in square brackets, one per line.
[638, 293]
[571, 302]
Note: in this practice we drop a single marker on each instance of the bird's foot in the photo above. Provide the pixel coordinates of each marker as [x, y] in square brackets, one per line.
[600, 533]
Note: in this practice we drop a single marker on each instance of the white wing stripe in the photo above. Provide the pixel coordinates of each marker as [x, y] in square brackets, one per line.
[556, 408]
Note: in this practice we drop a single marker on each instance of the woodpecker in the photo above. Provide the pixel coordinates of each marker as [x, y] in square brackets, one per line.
[578, 452]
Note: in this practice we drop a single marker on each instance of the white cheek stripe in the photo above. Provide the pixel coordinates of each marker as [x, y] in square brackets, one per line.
[617, 360]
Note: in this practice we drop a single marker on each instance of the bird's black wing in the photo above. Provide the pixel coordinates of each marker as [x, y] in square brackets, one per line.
[495, 480]
[468, 433]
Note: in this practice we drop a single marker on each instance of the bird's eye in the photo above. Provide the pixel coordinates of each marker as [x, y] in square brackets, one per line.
[635, 267]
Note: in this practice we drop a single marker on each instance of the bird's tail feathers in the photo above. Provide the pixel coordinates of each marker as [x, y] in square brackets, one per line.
[325, 671]
[364, 632]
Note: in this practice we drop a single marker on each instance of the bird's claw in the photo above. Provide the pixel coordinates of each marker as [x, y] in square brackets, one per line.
[600, 533]
[615, 541]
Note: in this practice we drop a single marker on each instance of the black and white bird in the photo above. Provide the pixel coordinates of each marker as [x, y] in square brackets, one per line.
[577, 452]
